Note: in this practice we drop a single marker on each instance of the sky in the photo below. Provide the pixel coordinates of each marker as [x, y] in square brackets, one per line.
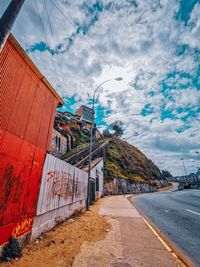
[154, 45]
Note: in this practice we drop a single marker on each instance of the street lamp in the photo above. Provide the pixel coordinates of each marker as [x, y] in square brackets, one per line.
[91, 134]
[184, 166]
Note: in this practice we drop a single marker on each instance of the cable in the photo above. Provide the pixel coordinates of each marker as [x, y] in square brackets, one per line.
[51, 29]
[46, 39]
[83, 38]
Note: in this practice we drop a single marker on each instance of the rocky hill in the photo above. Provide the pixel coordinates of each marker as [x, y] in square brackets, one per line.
[123, 160]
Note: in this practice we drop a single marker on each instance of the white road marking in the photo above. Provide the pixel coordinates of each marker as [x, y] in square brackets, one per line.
[166, 210]
[158, 236]
[193, 212]
[177, 259]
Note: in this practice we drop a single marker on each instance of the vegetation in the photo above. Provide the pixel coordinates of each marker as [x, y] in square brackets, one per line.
[81, 136]
[106, 133]
[126, 161]
[117, 126]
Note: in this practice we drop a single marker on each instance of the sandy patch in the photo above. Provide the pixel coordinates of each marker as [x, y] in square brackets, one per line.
[59, 246]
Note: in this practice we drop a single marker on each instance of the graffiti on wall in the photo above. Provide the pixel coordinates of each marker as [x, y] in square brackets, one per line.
[65, 184]
[9, 185]
[61, 184]
[22, 227]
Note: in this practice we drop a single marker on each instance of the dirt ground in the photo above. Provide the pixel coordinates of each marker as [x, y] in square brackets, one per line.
[58, 247]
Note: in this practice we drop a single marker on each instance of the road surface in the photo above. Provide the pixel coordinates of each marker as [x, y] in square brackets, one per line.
[177, 215]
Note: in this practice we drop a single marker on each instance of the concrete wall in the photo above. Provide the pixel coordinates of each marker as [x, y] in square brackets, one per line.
[58, 144]
[120, 186]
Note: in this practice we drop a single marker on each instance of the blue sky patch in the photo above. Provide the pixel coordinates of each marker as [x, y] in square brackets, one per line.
[186, 7]
[147, 110]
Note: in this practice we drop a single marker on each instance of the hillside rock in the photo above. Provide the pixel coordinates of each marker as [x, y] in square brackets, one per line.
[123, 160]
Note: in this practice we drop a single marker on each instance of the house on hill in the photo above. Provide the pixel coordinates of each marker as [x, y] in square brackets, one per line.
[85, 114]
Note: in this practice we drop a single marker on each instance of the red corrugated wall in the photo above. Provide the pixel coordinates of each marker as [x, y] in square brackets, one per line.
[27, 111]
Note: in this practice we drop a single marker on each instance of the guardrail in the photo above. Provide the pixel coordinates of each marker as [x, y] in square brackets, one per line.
[189, 181]
[75, 150]
[80, 158]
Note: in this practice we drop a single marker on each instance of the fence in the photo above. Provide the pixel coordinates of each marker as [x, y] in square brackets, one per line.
[62, 192]
[189, 181]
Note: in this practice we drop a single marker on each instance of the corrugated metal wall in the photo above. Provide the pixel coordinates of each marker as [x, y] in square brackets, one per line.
[63, 190]
[20, 171]
[27, 106]
[62, 184]
[27, 111]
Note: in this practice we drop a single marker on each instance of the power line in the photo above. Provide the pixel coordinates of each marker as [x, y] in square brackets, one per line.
[51, 29]
[93, 47]
[46, 39]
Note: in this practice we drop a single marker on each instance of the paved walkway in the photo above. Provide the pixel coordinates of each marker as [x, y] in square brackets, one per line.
[129, 242]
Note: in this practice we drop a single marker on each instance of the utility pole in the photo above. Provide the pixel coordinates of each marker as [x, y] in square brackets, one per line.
[7, 20]
[184, 166]
[91, 135]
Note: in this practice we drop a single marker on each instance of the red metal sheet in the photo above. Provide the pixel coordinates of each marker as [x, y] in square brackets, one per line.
[16, 165]
[25, 111]
[8, 180]
[5, 51]
[46, 123]
[22, 107]
[15, 229]
[30, 204]
[12, 71]
[35, 118]
[21, 165]
[49, 139]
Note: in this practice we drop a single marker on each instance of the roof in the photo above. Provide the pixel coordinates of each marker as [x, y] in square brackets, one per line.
[68, 112]
[93, 164]
[24, 55]
[84, 106]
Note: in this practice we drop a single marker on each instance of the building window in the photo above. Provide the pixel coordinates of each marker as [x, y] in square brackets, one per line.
[97, 181]
[58, 142]
[56, 139]
[59, 146]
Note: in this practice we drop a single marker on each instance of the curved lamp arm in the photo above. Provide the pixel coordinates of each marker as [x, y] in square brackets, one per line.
[97, 90]
[116, 79]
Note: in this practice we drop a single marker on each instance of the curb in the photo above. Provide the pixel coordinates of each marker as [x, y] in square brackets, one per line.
[177, 254]
[164, 188]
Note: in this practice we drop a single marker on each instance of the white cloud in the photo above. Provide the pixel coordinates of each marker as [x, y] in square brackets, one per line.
[134, 39]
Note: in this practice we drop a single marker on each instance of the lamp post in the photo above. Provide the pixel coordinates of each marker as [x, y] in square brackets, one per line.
[184, 165]
[91, 134]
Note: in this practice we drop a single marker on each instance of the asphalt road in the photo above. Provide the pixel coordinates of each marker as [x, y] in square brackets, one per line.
[177, 215]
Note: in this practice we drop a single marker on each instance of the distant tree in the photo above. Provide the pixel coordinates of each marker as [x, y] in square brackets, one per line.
[166, 174]
[106, 133]
[117, 126]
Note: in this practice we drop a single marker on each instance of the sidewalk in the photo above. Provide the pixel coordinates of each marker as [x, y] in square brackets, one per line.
[129, 242]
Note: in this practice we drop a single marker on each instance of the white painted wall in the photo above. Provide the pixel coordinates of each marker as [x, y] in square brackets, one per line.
[97, 170]
[62, 192]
